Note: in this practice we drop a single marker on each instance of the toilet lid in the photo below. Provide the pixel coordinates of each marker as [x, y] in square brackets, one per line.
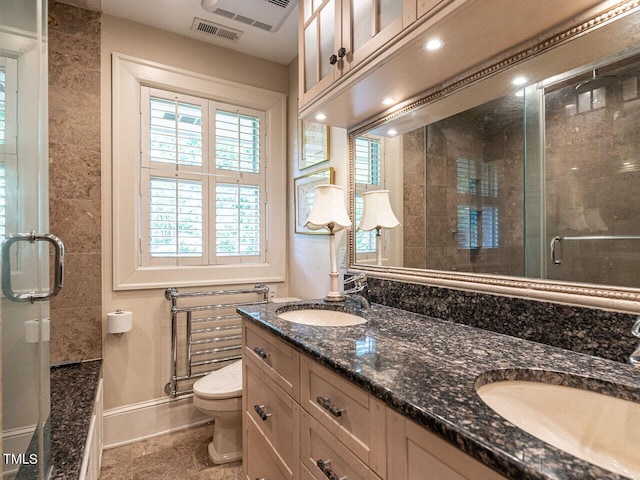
[223, 383]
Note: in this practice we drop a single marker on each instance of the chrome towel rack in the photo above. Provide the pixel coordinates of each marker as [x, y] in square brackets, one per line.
[212, 333]
[555, 240]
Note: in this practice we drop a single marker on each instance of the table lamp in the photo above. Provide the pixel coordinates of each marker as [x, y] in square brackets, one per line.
[377, 213]
[329, 212]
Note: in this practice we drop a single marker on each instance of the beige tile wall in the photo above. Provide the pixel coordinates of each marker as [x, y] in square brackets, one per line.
[74, 179]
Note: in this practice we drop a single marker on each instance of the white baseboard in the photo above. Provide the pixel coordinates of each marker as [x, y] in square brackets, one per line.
[149, 419]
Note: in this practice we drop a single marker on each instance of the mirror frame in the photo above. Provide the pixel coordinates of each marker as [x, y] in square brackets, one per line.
[581, 294]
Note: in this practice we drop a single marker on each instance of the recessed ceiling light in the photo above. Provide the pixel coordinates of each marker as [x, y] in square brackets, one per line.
[321, 116]
[574, 168]
[627, 163]
[392, 132]
[519, 81]
[388, 101]
[433, 44]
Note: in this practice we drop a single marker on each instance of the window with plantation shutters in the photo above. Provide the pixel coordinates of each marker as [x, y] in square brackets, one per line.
[477, 214]
[3, 181]
[368, 161]
[202, 181]
[8, 150]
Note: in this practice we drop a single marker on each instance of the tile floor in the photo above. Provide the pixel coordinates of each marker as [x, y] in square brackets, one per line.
[177, 456]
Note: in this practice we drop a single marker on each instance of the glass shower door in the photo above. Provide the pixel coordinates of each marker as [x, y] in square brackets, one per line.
[24, 309]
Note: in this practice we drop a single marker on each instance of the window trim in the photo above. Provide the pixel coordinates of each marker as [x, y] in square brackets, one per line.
[128, 75]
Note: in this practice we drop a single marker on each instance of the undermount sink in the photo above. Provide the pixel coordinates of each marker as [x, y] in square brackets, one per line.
[322, 318]
[598, 428]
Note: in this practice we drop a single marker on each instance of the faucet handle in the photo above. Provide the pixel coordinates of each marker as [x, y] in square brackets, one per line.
[635, 330]
[358, 279]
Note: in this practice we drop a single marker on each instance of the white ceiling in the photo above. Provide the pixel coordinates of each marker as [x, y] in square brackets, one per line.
[177, 16]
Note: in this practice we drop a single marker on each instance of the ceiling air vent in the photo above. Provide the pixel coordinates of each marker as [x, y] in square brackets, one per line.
[266, 15]
[215, 29]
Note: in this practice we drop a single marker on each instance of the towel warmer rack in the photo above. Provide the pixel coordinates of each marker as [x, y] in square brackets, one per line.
[214, 336]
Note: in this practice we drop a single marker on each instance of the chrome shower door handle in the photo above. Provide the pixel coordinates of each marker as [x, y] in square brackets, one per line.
[58, 268]
[555, 260]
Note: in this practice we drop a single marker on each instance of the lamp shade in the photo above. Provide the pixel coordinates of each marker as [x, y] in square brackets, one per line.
[328, 209]
[376, 211]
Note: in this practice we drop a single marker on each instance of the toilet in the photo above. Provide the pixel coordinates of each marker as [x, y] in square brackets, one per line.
[219, 395]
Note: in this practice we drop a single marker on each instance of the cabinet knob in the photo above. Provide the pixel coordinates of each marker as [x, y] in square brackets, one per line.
[342, 52]
[333, 59]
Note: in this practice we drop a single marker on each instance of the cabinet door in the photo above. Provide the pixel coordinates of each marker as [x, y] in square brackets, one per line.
[262, 462]
[414, 453]
[275, 414]
[320, 39]
[369, 24]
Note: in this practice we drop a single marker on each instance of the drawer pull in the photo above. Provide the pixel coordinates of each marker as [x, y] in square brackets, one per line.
[325, 403]
[260, 352]
[261, 413]
[323, 465]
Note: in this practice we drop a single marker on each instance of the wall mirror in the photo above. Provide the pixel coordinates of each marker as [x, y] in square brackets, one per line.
[530, 189]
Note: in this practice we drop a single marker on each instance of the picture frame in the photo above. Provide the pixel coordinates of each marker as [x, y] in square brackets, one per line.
[304, 196]
[314, 144]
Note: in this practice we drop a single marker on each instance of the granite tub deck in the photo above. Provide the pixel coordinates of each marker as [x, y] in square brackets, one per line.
[428, 369]
[73, 392]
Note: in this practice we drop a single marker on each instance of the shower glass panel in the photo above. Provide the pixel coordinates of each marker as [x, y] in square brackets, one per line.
[593, 175]
[24, 329]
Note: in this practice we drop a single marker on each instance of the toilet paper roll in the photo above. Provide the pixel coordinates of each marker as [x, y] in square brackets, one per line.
[119, 321]
[32, 330]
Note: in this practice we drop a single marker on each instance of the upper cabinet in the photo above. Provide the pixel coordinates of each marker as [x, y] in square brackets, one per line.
[337, 35]
[356, 53]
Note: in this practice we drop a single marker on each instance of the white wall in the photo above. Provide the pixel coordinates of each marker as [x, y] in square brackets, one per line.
[137, 364]
[309, 254]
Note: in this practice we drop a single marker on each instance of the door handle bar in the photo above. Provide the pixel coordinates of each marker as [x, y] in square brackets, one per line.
[58, 268]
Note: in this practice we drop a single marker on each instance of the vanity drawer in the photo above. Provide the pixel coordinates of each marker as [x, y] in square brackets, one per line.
[273, 357]
[262, 462]
[274, 413]
[318, 446]
[346, 411]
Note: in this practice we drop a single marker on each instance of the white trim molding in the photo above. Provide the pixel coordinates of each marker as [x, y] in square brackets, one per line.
[128, 75]
[140, 421]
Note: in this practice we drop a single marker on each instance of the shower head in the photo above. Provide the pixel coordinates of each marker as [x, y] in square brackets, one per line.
[595, 82]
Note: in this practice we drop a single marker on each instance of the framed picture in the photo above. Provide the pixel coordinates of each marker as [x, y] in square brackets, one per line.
[304, 196]
[314, 144]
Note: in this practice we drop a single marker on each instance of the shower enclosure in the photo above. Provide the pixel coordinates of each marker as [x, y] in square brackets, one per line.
[541, 183]
[26, 256]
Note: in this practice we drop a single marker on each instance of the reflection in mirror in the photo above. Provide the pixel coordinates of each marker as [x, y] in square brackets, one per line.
[486, 188]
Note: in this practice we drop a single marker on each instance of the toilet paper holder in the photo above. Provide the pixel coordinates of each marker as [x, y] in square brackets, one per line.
[119, 322]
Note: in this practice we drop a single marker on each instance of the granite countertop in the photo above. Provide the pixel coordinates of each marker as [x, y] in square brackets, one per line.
[73, 392]
[428, 369]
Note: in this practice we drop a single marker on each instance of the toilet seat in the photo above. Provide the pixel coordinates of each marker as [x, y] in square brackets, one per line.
[223, 383]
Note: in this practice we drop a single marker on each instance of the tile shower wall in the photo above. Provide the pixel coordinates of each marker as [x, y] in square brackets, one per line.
[74, 179]
[585, 330]
[468, 164]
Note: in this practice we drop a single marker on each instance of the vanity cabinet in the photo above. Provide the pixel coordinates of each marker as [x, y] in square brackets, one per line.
[270, 408]
[337, 35]
[302, 420]
[414, 453]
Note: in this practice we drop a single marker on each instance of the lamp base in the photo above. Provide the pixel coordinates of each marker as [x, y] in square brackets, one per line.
[334, 297]
[334, 291]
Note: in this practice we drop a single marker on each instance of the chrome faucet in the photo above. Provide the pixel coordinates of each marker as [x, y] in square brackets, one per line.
[359, 291]
[634, 359]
